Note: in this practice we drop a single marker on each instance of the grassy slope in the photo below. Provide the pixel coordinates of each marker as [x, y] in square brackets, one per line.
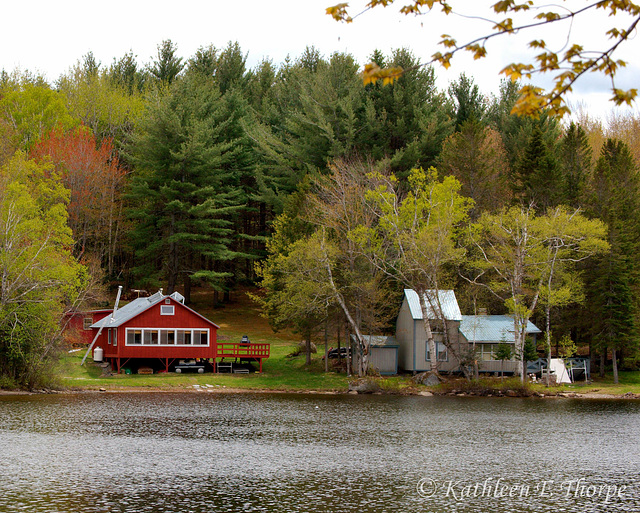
[242, 317]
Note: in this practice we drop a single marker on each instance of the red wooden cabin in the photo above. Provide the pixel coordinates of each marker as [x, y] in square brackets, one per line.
[162, 327]
[77, 325]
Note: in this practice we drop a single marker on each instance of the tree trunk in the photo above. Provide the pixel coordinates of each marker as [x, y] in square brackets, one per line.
[603, 361]
[348, 342]
[433, 362]
[187, 289]
[308, 349]
[339, 352]
[614, 361]
[326, 345]
[548, 337]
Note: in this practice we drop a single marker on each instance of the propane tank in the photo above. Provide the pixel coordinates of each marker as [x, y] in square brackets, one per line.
[97, 354]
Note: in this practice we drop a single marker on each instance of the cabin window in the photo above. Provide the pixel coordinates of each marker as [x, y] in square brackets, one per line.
[167, 309]
[115, 337]
[200, 337]
[134, 337]
[150, 337]
[109, 337]
[486, 352]
[165, 337]
[87, 322]
[184, 337]
[441, 350]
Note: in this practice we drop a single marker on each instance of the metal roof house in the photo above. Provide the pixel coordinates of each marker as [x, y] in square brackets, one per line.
[485, 332]
[156, 327]
[413, 354]
[161, 327]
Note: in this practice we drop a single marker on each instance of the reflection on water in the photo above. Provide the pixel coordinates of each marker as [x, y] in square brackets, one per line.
[204, 452]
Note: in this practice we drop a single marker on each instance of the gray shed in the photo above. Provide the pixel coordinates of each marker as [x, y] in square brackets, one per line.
[384, 353]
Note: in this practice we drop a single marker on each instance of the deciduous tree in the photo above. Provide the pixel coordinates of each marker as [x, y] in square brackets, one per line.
[38, 273]
[511, 17]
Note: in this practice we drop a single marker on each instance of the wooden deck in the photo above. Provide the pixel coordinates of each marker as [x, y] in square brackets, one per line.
[242, 351]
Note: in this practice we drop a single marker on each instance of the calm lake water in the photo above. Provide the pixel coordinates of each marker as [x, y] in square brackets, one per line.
[206, 452]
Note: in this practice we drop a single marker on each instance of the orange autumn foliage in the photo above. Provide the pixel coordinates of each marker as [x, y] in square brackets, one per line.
[93, 174]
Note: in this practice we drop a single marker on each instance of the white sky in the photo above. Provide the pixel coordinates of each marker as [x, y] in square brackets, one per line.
[49, 37]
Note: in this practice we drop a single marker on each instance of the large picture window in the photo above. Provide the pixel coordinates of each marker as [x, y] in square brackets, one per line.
[441, 350]
[167, 337]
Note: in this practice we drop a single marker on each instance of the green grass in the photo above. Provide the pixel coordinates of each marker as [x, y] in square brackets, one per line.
[242, 317]
[281, 372]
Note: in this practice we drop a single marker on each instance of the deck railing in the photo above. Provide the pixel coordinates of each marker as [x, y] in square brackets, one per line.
[237, 350]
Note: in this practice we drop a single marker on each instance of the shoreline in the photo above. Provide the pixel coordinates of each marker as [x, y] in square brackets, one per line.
[235, 390]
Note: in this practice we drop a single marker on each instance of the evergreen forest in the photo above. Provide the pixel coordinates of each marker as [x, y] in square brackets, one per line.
[324, 196]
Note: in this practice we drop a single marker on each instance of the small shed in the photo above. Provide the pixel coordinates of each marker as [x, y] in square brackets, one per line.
[383, 357]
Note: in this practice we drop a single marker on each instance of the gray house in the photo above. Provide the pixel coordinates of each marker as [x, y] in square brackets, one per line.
[484, 332]
[411, 337]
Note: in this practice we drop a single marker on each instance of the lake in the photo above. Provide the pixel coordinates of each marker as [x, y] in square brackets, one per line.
[206, 452]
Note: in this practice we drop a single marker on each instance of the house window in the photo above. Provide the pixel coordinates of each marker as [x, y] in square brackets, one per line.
[167, 309]
[150, 337]
[165, 337]
[200, 337]
[487, 352]
[184, 337]
[441, 350]
[87, 322]
[134, 337]
[115, 337]
[109, 337]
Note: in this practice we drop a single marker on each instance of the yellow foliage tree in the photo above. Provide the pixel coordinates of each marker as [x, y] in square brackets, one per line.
[567, 66]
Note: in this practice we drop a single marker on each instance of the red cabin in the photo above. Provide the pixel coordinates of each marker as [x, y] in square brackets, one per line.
[156, 327]
[161, 328]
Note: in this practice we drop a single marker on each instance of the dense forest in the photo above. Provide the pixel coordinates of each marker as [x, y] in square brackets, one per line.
[326, 195]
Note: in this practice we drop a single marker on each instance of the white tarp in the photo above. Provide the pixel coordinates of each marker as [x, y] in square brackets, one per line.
[556, 366]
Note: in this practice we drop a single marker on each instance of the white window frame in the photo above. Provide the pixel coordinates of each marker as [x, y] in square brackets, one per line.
[167, 310]
[168, 331]
[440, 350]
[115, 337]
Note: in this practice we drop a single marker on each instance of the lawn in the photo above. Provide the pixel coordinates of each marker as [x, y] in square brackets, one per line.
[241, 317]
[280, 371]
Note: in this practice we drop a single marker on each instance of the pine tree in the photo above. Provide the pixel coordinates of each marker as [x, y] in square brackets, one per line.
[613, 279]
[537, 177]
[469, 102]
[575, 162]
[186, 189]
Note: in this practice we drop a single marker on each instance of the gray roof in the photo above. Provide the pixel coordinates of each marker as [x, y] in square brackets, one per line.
[136, 307]
[447, 300]
[491, 328]
[378, 340]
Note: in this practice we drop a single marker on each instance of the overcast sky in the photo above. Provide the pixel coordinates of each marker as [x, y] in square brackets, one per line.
[49, 37]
